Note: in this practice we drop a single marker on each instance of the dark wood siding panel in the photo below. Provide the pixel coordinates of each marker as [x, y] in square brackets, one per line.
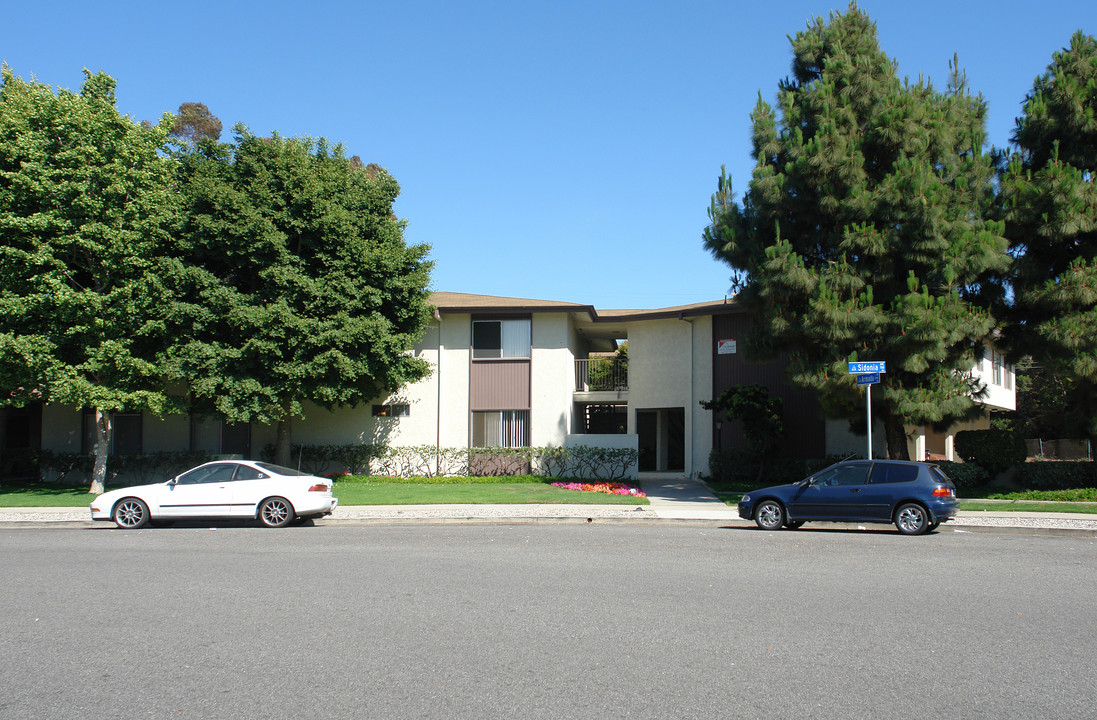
[805, 431]
[503, 385]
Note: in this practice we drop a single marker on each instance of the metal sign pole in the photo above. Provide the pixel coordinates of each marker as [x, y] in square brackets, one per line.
[868, 405]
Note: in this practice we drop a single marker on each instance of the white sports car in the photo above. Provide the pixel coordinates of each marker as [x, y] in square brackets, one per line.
[274, 495]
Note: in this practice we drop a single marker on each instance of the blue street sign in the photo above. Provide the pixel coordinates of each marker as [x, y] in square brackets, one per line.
[868, 378]
[869, 366]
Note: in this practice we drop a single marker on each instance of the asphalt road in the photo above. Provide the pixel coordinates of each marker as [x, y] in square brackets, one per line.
[544, 621]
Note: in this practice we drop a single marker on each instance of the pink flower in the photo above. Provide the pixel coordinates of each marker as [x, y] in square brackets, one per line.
[610, 488]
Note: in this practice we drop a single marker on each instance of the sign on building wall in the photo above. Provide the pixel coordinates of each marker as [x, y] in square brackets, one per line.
[725, 347]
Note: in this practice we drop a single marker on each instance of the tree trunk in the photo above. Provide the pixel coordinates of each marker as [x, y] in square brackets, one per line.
[282, 446]
[896, 433]
[103, 430]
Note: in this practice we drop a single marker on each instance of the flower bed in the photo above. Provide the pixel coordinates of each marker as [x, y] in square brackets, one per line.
[610, 488]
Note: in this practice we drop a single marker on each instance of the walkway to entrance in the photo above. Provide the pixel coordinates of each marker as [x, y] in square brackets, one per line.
[673, 496]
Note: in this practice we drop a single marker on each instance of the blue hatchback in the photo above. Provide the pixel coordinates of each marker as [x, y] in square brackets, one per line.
[916, 496]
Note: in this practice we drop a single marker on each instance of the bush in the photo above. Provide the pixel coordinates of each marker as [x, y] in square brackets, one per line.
[425, 461]
[320, 459]
[994, 450]
[1061, 475]
[134, 469]
[965, 476]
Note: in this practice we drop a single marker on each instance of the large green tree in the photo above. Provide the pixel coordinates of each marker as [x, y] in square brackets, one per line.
[294, 282]
[862, 234]
[1049, 201]
[85, 209]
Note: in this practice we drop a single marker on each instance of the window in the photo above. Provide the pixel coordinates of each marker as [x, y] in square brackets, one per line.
[888, 473]
[848, 474]
[207, 474]
[125, 436]
[1008, 376]
[246, 472]
[500, 428]
[394, 410]
[996, 367]
[500, 339]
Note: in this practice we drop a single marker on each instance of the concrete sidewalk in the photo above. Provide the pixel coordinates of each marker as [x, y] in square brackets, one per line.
[671, 499]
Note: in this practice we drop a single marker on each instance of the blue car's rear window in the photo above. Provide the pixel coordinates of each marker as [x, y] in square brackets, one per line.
[938, 474]
[893, 473]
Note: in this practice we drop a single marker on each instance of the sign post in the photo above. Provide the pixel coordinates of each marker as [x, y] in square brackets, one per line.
[868, 373]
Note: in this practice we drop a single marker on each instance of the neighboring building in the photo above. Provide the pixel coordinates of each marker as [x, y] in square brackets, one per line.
[513, 372]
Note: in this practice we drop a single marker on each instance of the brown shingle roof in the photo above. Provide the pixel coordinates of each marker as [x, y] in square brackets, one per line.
[450, 302]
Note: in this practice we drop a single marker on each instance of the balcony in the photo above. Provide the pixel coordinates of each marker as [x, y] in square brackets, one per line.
[609, 374]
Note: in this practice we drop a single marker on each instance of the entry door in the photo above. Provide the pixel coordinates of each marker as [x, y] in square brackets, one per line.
[662, 439]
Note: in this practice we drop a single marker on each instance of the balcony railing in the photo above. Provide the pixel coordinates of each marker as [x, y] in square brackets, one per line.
[599, 374]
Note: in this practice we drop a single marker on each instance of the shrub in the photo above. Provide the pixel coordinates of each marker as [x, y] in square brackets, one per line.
[424, 461]
[135, 469]
[994, 450]
[965, 476]
[1061, 475]
[320, 459]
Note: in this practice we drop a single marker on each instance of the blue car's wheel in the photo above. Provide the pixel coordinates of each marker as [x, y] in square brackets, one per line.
[769, 515]
[912, 519]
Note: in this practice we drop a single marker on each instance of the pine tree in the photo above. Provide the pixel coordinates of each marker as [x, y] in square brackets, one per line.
[1049, 201]
[862, 235]
[194, 122]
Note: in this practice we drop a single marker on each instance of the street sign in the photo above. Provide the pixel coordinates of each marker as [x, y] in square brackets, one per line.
[868, 378]
[868, 366]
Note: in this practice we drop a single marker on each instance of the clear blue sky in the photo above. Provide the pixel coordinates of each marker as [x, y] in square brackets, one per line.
[555, 150]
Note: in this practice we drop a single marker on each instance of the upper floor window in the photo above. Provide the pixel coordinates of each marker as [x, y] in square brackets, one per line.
[501, 338]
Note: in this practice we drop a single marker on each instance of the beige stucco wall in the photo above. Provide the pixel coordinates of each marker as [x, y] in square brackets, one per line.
[1003, 394]
[552, 368]
[670, 366]
[438, 404]
[62, 426]
[171, 433]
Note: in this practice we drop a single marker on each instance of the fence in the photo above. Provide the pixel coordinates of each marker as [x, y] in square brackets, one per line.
[595, 374]
[1060, 449]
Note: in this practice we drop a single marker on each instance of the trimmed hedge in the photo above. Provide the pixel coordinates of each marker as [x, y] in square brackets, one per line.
[429, 461]
[143, 468]
[994, 450]
[965, 476]
[1059, 475]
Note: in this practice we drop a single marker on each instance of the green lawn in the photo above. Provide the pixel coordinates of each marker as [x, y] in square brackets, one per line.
[1022, 506]
[360, 493]
[977, 500]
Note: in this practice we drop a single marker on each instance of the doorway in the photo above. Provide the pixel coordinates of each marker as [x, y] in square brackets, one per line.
[661, 436]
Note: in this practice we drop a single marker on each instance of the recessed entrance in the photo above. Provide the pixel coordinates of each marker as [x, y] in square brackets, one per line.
[662, 439]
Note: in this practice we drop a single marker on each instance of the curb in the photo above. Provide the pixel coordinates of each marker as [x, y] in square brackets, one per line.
[364, 515]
